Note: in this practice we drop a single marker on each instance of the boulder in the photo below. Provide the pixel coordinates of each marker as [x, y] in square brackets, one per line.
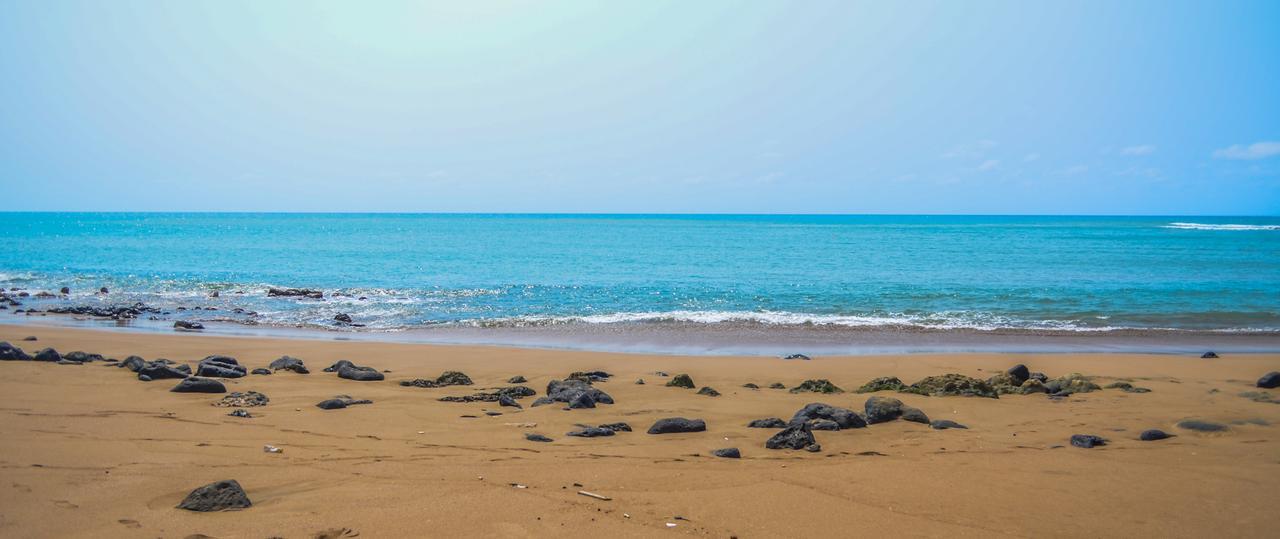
[1153, 435]
[185, 325]
[1018, 374]
[48, 354]
[882, 409]
[342, 318]
[1087, 441]
[1270, 380]
[199, 385]
[767, 423]
[218, 496]
[845, 418]
[883, 383]
[943, 424]
[817, 386]
[795, 436]
[9, 352]
[952, 385]
[568, 391]
[914, 415]
[727, 453]
[162, 369]
[681, 380]
[360, 374]
[288, 363]
[220, 367]
[709, 391]
[672, 425]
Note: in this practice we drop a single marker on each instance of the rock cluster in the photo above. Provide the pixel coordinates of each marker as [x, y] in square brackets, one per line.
[449, 378]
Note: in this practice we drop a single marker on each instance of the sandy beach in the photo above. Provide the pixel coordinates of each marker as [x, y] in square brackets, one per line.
[90, 451]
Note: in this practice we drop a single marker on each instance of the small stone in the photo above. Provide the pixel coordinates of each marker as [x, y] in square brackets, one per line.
[777, 385]
[188, 325]
[813, 448]
[709, 391]
[240, 412]
[532, 437]
[750, 386]
[218, 496]
[1153, 435]
[590, 432]
[1087, 441]
[261, 371]
[943, 424]
[801, 357]
[517, 380]
[1209, 355]
[728, 453]
[672, 425]
[681, 380]
[639, 381]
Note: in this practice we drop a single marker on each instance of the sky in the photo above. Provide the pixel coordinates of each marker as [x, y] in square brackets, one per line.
[1080, 107]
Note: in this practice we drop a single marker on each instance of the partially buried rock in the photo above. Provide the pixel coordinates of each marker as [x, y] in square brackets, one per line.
[1201, 426]
[1127, 387]
[342, 318]
[617, 427]
[1270, 380]
[944, 424]
[590, 376]
[824, 424]
[82, 357]
[448, 378]
[1087, 441]
[1153, 435]
[31, 338]
[952, 385]
[48, 354]
[681, 380]
[884, 383]
[184, 325]
[882, 409]
[1209, 355]
[581, 401]
[673, 425]
[261, 371]
[199, 385]
[914, 415]
[639, 381]
[801, 357]
[1032, 386]
[340, 402]
[240, 413]
[817, 386]
[516, 380]
[243, 400]
[360, 374]
[570, 391]
[1071, 384]
[161, 369]
[287, 363]
[506, 400]
[728, 453]
[845, 418]
[218, 496]
[767, 423]
[9, 352]
[590, 432]
[220, 367]
[749, 385]
[796, 436]
[709, 391]
[532, 437]
[777, 385]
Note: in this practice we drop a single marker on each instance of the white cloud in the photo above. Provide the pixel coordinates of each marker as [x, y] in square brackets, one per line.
[1141, 149]
[1257, 150]
[1031, 157]
[989, 164]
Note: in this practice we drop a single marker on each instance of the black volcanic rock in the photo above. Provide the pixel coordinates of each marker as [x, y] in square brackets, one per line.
[287, 363]
[672, 425]
[48, 354]
[795, 436]
[1153, 435]
[9, 352]
[1270, 380]
[845, 418]
[220, 367]
[295, 293]
[218, 496]
[188, 325]
[199, 385]
[728, 453]
[767, 423]
[1087, 441]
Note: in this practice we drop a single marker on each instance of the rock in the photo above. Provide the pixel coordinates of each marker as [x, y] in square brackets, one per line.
[516, 380]
[639, 381]
[617, 427]
[448, 378]
[48, 354]
[508, 401]
[914, 415]
[218, 496]
[144, 378]
[801, 357]
[1018, 374]
[104, 290]
[341, 401]
[843, 417]
[1087, 441]
[824, 424]
[767, 423]
[727, 453]
[9, 352]
[133, 363]
[590, 432]
[360, 374]
[943, 424]
[542, 401]
[813, 448]
[681, 380]
[882, 409]
[532, 437]
[513, 393]
[1201, 426]
[590, 376]
[582, 400]
[1209, 355]
[1071, 384]
[1039, 377]
[1270, 380]
[1153, 435]
[295, 293]
[1259, 396]
[749, 385]
[1127, 387]
[1004, 384]
[161, 369]
[220, 367]
[65, 290]
[338, 365]
[241, 413]
[777, 385]
[709, 391]
[952, 385]
[287, 363]
[243, 400]
[817, 386]
[568, 391]
[795, 436]
[82, 357]
[884, 383]
[187, 325]
[1032, 386]
[199, 385]
[30, 338]
[116, 312]
[342, 318]
[677, 424]
[260, 371]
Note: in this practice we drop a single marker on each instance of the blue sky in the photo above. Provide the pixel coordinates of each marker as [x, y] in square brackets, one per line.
[810, 107]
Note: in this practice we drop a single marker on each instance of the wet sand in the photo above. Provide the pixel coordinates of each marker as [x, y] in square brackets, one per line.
[89, 451]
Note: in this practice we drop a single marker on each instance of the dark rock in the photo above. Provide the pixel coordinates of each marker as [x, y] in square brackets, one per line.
[1209, 355]
[843, 417]
[48, 354]
[248, 399]
[220, 367]
[82, 357]
[681, 380]
[448, 378]
[295, 293]
[582, 400]
[882, 409]
[1087, 441]
[30, 338]
[65, 290]
[709, 391]
[569, 391]
[884, 383]
[795, 436]
[617, 427]
[218, 496]
[542, 401]
[777, 385]
[814, 448]
[513, 393]
[1127, 387]
[261, 371]
[767, 423]
[1071, 384]
[187, 325]
[9, 352]
[750, 386]
[341, 401]
[144, 378]
[817, 386]
[117, 312]
[590, 376]
[639, 381]
[943, 424]
[340, 364]
[517, 380]
[824, 424]
[533, 437]
[342, 318]
[508, 400]
[133, 363]
[1201, 426]
[801, 357]
[1019, 373]
[727, 453]
[589, 432]
[952, 385]
[104, 290]
[287, 363]
[1153, 435]
[914, 415]
[199, 385]
[360, 374]
[161, 369]
[240, 413]
[677, 424]
[1270, 380]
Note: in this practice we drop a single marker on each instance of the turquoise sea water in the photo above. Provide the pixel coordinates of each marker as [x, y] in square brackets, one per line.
[1086, 274]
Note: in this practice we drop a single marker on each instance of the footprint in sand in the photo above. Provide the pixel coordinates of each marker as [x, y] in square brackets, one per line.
[337, 533]
[129, 523]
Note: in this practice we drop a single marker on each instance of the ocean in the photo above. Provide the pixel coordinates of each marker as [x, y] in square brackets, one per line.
[834, 281]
